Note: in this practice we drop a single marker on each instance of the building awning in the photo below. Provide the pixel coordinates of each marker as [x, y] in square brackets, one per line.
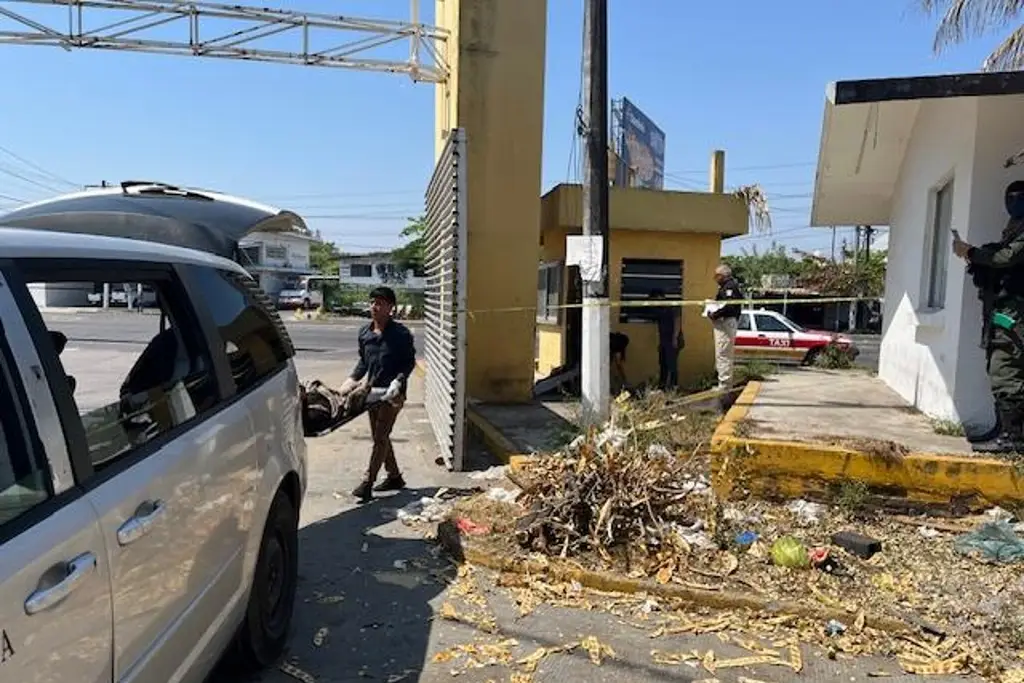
[866, 129]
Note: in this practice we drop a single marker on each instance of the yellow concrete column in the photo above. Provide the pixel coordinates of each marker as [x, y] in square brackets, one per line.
[717, 180]
[496, 93]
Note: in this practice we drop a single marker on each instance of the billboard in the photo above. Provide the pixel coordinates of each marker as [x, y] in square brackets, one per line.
[641, 150]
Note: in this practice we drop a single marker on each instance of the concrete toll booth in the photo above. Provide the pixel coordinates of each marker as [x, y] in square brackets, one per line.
[659, 240]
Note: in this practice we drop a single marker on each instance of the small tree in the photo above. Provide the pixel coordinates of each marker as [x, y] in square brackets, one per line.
[410, 256]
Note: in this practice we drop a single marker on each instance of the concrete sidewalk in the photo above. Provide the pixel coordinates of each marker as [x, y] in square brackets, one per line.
[808, 404]
[809, 433]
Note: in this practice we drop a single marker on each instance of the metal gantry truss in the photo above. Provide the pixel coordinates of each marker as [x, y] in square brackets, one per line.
[229, 32]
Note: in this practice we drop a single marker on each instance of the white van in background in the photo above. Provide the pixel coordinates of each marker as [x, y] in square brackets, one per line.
[308, 294]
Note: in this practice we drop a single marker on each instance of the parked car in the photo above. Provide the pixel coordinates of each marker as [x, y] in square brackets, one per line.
[145, 533]
[768, 335]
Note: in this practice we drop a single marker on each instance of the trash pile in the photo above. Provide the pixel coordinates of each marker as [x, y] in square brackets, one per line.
[634, 499]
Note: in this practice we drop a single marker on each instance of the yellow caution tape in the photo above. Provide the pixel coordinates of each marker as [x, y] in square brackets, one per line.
[671, 303]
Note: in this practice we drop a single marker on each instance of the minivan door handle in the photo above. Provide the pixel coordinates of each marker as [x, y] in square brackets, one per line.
[78, 570]
[142, 522]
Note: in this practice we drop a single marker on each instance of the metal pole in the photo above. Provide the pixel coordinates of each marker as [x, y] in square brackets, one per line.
[833, 244]
[594, 368]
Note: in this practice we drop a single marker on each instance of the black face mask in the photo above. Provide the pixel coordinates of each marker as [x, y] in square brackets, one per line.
[1015, 199]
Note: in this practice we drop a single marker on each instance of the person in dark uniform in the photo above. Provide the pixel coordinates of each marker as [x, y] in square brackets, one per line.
[386, 350]
[670, 341]
[998, 271]
[725, 319]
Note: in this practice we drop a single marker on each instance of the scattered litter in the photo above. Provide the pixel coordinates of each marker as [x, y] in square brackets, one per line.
[366, 546]
[995, 541]
[928, 532]
[491, 473]
[834, 628]
[328, 599]
[501, 494]
[790, 553]
[397, 678]
[857, 544]
[597, 650]
[998, 514]
[295, 672]
[656, 450]
[485, 623]
[401, 565]
[320, 637]
[745, 539]
[471, 528]
[530, 662]
[933, 667]
[424, 510]
[807, 513]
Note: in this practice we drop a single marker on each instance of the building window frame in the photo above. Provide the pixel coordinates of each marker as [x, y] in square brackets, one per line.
[639, 277]
[365, 270]
[550, 279]
[935, 278]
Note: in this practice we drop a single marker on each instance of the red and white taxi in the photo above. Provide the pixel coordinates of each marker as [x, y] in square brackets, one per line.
[767, 335]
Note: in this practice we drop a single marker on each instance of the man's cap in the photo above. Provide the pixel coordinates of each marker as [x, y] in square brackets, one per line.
[385, 293]
[1016, 187]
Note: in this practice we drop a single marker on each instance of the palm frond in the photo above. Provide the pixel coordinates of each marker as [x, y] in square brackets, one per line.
[1009, 56]
[757, 203]
[963, 19]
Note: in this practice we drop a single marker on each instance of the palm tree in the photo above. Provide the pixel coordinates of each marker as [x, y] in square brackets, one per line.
[963, 19]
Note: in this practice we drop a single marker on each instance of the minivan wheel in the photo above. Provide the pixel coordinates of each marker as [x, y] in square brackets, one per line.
[268, 617]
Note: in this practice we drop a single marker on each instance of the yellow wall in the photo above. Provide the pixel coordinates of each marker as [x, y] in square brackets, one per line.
[495, 52]
[687, 226]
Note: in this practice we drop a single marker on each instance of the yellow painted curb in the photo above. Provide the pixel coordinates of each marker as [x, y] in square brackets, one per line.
[421, 368]
[496, 442]
[617, 583]
[777, 469]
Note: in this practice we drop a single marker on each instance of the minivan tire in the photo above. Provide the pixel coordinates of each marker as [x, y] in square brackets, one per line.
[268, 616]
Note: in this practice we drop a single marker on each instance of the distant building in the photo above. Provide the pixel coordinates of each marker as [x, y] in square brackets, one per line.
[277, 260]
[925, 156]
[378, 268]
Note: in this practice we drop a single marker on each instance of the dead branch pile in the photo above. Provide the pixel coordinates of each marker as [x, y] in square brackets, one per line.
[621, 490]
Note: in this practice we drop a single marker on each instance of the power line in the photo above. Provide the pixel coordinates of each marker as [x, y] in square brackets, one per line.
[30, 181]
[37, 167]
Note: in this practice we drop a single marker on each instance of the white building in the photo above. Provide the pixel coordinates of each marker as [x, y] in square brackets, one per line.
[276, 260]
[371, 270]
[925, 156]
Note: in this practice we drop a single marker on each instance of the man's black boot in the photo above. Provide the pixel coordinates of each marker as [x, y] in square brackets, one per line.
[364, 492]
[1010, 439]
[392, 483]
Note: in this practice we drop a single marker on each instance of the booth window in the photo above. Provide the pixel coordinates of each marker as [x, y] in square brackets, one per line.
[643, 276]
[938, 262]
[549, 292]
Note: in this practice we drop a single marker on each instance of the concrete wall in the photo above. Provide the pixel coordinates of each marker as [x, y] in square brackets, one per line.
[932, 357]
[496, 93]
[60, 294]
[296, 249]
[918, 351]
[700, 253]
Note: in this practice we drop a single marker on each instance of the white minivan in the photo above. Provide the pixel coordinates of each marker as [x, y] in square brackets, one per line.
[148, 527]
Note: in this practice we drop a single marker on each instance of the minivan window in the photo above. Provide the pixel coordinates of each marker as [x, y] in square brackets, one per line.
[254, 338]
[24, 478]
[162, 376]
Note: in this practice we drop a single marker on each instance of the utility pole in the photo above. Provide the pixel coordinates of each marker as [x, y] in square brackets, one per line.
[853, 305]
[596, 312]
[833, 244]
[868, 231]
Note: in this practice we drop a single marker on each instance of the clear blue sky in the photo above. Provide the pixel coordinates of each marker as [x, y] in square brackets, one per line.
[354, 150]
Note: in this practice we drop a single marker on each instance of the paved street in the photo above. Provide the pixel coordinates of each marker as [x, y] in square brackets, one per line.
[372, 587]
[868, 345]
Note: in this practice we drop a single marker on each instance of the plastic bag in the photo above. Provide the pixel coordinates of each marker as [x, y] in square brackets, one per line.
[791, 553]
[996, 541]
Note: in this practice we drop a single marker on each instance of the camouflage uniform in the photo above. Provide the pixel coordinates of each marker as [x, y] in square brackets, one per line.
[998, 270]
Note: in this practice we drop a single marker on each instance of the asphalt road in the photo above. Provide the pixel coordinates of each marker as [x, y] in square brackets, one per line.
[868, 345]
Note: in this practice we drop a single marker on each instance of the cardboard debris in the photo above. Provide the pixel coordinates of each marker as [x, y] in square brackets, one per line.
[295, 672]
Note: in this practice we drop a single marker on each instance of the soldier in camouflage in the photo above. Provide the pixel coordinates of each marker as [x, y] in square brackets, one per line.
[998, 271]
